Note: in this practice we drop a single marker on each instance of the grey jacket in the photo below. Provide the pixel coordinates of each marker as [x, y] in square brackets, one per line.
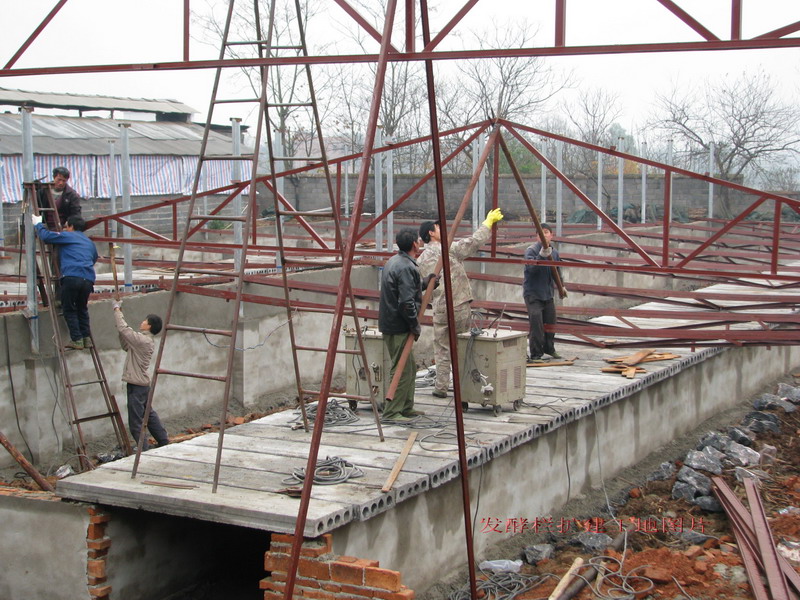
[539, 283]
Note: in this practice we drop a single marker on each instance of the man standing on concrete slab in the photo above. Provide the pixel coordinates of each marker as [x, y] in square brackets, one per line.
[139, 345]
[537, 289]
[76, 258]
[459, 284]
[398, 315]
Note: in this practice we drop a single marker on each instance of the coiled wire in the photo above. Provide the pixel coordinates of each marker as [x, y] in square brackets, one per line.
[330, 471]
[501, 586]
[335, 414]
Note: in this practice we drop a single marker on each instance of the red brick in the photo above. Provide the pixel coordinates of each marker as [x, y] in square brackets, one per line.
[347, 559]
[96, 568]
[276, 562]
[99, 591]
[365, 562]
[272, 596]
[97, 580]
[317, 547]
[357, 590]
[331, 587]
[103, 544]
[347, 573]
[100, 519]
[314, 569]
[282, 538]
[382, 578]
[96, 510]
[319, 595]
[277, 586]
[98, 553]
[96, 531]
[403, 594]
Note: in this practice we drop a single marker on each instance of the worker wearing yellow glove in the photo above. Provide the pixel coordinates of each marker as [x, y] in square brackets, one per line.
[461, 290]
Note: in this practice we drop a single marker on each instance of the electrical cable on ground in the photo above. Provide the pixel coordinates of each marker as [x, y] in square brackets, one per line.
[501, 586]
[335, 414]
[331, 471]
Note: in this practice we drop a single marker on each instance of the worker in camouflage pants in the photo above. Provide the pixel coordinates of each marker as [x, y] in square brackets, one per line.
[461, 290]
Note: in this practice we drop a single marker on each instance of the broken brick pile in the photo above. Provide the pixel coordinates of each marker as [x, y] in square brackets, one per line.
[322, 575]
[97, 543]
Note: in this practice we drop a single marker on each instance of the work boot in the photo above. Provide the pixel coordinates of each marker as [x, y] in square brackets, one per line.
[439, 393]
[74, 345]
[396, 419]
[88, 343]
[413, 413]
[555, 355]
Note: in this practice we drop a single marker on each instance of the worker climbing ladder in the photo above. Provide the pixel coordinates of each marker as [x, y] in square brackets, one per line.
[49, 277]
[245, 220]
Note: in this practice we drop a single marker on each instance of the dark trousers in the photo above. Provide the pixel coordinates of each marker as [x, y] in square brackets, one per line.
[137, 400]
[540, 313]
[75, 293]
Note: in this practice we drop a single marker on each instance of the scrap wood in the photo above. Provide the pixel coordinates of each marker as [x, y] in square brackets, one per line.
[400, 462]
[562, 585]
[655, 356]
[560, 363]
[624, 370]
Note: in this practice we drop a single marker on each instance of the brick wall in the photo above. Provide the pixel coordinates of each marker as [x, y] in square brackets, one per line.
[97, 544]
[322, 575]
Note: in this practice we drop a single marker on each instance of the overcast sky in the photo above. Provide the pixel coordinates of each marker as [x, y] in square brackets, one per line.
[119, 31]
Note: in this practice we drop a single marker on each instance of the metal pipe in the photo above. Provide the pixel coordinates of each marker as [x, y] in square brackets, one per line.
[600, 156]
[112, 185]
[126, 205]
[389, 198]
[32, 305]
[620, 182]
[543, 175]
[378, 183]
[2, 213]
[710, 184]
[644, 185]
[236, 177]
[559, 188]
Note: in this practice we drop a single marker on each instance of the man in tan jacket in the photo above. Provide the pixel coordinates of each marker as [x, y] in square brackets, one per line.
[139, 346]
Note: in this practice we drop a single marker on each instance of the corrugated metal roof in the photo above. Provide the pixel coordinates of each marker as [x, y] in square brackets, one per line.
[80, 102]
[90, 136]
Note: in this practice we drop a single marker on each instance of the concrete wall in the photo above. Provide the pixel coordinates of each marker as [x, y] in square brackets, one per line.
[532, 481]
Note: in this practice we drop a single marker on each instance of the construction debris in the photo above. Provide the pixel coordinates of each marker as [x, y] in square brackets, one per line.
[626, 365]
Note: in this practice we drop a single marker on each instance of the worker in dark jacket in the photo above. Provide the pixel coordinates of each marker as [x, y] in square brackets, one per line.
[537, 290]
[66, 199]
[398, 315]
[76, 258]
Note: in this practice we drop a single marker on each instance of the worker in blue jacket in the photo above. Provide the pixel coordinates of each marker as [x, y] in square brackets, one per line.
[76, 258]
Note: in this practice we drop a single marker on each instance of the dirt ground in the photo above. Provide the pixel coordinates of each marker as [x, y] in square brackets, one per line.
[675, 568]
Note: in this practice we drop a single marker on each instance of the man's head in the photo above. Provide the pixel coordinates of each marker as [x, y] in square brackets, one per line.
[75, 223]
[152, 323]
[60, 178]
[406, 239]
[548, 233]
[429, 230]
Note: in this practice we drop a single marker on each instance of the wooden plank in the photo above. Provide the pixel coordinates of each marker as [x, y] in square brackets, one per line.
[400, 462]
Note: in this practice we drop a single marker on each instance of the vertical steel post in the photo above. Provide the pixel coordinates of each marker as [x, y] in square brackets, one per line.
[481, 187]
[389, 198]
[112, 184]
[475, 192]
[620, 181]
[126, 204]
[543, 209]
[2, 213]
[600, 157]
[377, 163]
[644, 184]
[278, 149]
[711, 185]
[559, 187]
[236, 176]
[668, 206]
[30, 239]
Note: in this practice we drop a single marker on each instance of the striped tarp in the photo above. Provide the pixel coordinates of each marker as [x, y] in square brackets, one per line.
[150, 175]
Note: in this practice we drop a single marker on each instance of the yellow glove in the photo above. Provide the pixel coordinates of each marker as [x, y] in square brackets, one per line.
[492, 217]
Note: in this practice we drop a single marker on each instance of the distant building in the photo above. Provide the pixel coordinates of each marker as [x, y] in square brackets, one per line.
[164, 150]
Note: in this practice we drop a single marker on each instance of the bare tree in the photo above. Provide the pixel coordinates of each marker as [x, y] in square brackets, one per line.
[510, 88]
[744, 118]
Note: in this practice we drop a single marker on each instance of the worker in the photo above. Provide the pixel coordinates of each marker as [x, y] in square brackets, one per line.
[398, 316]
[537, 290]
[76, 258]
[139, 346]
[66, 200]
[430, 233]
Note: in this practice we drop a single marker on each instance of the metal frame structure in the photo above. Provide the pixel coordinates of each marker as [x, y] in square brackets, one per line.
[736, 250]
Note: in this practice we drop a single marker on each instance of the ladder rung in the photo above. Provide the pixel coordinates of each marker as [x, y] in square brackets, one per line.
[211, 272]
[95, 417]
[289, 104]
[306, 213]
[218, 218]
[298, 158]
[337, 395]
[226, 157]
[236, 100]
[245, 42]
[225, 332]
[86, 383]
[196, 375]
[316, 349]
